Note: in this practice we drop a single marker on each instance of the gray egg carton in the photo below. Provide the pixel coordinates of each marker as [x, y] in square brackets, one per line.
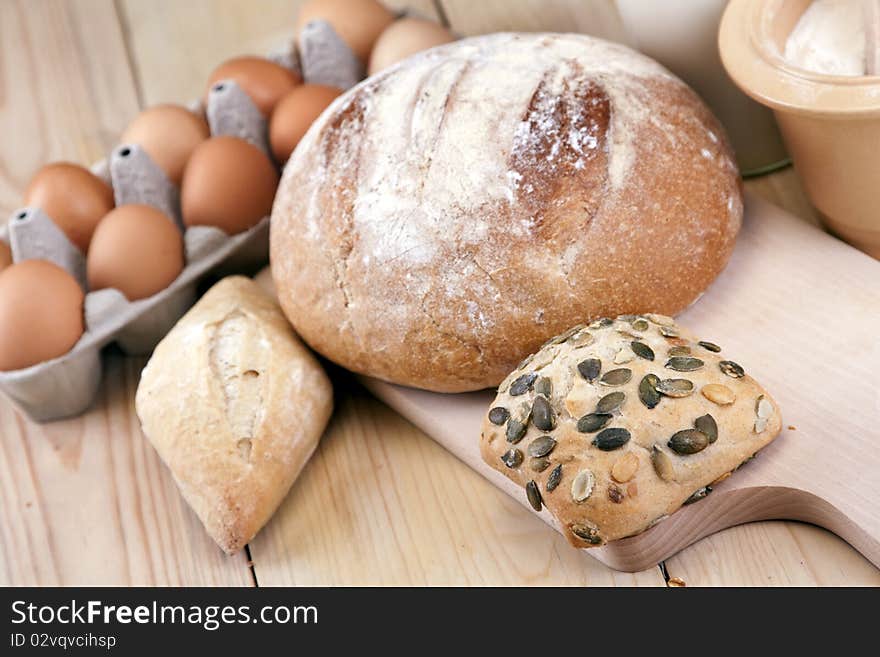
[67, 385]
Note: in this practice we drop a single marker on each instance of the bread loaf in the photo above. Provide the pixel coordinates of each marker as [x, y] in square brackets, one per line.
[615, 425]
[235, 405]
[444, 218]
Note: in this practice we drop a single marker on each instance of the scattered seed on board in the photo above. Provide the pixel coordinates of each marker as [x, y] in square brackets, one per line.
[499, 415]
[611, 439]
[709, 346]
[732, 369]
[515, 431]
[618, 377]
[625, 468]
[539, 464]
[592, 422]
[684, 363]
[523, 384]
[642, 350]
[534, 495]
[610, 402]
[588, 534]
[544, 386]
[706, 423]
[590, 368]
[640, 325]
[512, 458]
[663, 465]
[543, 416]
[669, 332]
[679, 350]
[541, 446]
[648, 390]
[688, 441]
[698, 495]
[554, 479]
[675, 387]
[718, 394]
[582, 485]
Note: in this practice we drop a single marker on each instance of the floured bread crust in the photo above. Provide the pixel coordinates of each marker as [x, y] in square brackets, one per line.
[615, 425]
[235, 405]
[444, 218]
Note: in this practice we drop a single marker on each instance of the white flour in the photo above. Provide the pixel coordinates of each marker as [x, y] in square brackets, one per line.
[829, 38]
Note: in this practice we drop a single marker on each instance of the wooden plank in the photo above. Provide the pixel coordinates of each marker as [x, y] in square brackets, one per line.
[382, 504]
[175, 45]
[84, 501]
[596, 17]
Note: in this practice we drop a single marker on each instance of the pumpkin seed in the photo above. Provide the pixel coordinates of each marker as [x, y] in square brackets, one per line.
[640, 325]
[498, 415]
[669, 332]
[663, 465]
[543, 416]
[763, 407]
[512, 458]
[590, 368]
[648, 390]
[525, 361]
[610, 402]
[534, 495]
[523, 384]
[611, 439]
[593, 422]
[675, 387]
[709, 346]
[679, 350]
[554, 479]
[718, 394]
[642, 350]
[662, 320]
[626, 318]
[615, 494]
[602, 322]
[688, 441]
[732, 369]
[760, 424]
[582, 485]
[698, 495]
[544, 386]
[588, 534]
[582, 339]
[625, 468]
[539, 464]
[541, 446]
[515, 431]
[684, 363]
[618, 377]
[706, 423]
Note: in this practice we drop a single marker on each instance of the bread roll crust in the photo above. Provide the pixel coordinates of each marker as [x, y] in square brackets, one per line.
[658, 450]
[235, 405]
[445, 217]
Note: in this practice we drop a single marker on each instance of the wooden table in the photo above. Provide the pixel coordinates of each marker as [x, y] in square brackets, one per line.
[87, 501]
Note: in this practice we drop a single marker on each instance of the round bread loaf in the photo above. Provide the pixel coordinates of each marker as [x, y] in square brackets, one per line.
[444, 218]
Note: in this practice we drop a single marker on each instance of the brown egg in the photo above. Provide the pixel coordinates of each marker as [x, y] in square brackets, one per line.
[295, 114]
[228, 183]
[136, 249]
[358, 22]
[74, 197]
[406, 37]
[41, 313]
[5, 255]
[264, 81]
[169, 134]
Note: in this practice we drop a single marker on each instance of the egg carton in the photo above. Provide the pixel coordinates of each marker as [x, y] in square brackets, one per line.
[66, 386]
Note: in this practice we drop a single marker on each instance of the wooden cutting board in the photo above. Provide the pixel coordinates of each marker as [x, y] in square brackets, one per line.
[800, 311]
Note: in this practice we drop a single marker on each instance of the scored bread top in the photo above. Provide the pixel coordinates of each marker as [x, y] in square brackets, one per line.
[445, 217]
[615, 425]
